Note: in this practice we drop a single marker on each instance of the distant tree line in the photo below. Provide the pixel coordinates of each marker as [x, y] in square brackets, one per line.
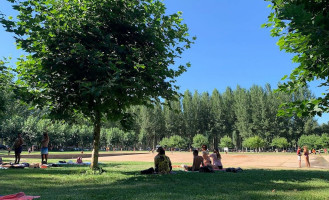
[240, 118]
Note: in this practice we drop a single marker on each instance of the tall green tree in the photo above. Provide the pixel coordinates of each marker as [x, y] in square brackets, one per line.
[97, 57]
[302, 26]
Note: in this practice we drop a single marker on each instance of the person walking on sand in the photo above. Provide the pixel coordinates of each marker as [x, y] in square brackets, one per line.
[18, 148]
[307, 157]
[299, 156]
[44, 148]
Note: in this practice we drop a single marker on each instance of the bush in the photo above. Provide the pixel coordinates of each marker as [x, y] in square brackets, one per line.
[199, 140]
[226, 141]
[253, 142]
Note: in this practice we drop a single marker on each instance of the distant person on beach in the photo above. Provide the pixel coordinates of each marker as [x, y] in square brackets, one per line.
[299, 156]
[307, 157]
[18, 148]
[44, 148]
[197, 162]
[162, 162]
[216, 159]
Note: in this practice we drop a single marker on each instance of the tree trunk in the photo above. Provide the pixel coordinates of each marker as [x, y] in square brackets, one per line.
[97, 131]
[216, 142]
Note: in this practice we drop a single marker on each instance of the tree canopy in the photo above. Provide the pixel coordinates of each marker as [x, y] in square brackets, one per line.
[97, 57]
[302, 26]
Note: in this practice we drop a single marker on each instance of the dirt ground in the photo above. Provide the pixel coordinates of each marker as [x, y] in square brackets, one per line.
[234, 160]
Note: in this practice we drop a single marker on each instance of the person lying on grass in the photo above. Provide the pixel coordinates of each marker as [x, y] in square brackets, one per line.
[197, 162]
[162, 162]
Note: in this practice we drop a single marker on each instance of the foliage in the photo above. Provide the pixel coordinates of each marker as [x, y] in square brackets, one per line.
[199, 140]
[311, 141]
[325, 140]
[165, 142]
[254, 142]
[93, 57]
[280, 142]
[226, 141]
[303, 30]
[174, 141]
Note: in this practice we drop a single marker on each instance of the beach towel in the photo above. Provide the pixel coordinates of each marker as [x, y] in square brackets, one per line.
[18, 196]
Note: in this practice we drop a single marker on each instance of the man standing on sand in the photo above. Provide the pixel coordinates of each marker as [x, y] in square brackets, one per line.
[44, 148]
[18, 148]
[299, 156]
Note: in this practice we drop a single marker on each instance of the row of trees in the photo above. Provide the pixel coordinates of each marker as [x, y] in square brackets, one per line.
[236, 118]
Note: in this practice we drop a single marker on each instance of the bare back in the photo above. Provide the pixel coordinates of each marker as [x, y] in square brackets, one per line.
[197, 161]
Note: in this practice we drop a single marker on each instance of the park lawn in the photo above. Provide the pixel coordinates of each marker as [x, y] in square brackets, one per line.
[123, 181]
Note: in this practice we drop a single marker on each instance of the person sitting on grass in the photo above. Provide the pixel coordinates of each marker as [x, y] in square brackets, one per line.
[206, 159]
[162, 162]
[197, 162]
[216, 159]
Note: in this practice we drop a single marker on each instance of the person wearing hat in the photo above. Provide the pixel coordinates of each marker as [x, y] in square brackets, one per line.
[162, 162]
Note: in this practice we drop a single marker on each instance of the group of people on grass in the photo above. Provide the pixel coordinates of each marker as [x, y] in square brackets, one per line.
[306, 154]
[18, 147]
[213, 160]
[163, 164]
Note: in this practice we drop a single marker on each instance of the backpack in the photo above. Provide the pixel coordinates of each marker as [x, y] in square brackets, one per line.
[148, 171]
[206, 169]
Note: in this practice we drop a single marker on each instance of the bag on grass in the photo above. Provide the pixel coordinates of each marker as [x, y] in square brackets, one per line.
[148, 171]
[206, 169]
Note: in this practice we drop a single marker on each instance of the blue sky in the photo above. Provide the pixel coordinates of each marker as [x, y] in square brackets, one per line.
[231, 47]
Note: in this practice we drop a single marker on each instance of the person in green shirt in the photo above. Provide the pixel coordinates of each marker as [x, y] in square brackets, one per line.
[162, 162]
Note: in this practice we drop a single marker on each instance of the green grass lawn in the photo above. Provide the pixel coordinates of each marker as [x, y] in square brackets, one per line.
[123, 181]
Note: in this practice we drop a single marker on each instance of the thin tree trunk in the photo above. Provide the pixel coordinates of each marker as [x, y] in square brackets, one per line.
[97, 131]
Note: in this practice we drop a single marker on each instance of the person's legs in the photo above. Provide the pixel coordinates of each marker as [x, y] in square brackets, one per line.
[42, 157]
[308, 161]
[18, 158]
[46, 158]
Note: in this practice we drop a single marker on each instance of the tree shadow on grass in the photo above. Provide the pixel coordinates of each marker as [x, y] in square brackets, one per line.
[249, 184]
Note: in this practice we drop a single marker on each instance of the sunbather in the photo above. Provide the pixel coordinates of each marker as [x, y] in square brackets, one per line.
[206, 159]
[216, 159]
[197, 162]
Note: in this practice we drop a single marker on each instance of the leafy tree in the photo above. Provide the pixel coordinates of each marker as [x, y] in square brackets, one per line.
[242, 112]
[189, 116]
[217, 116]
[97, 57]
[325, 140]
[177, 141]
[199, 140]
[226, 141]
[254, 142]
[303, 30]
[311, 141]
[165, 142]
[115, 137]
[279, 142]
